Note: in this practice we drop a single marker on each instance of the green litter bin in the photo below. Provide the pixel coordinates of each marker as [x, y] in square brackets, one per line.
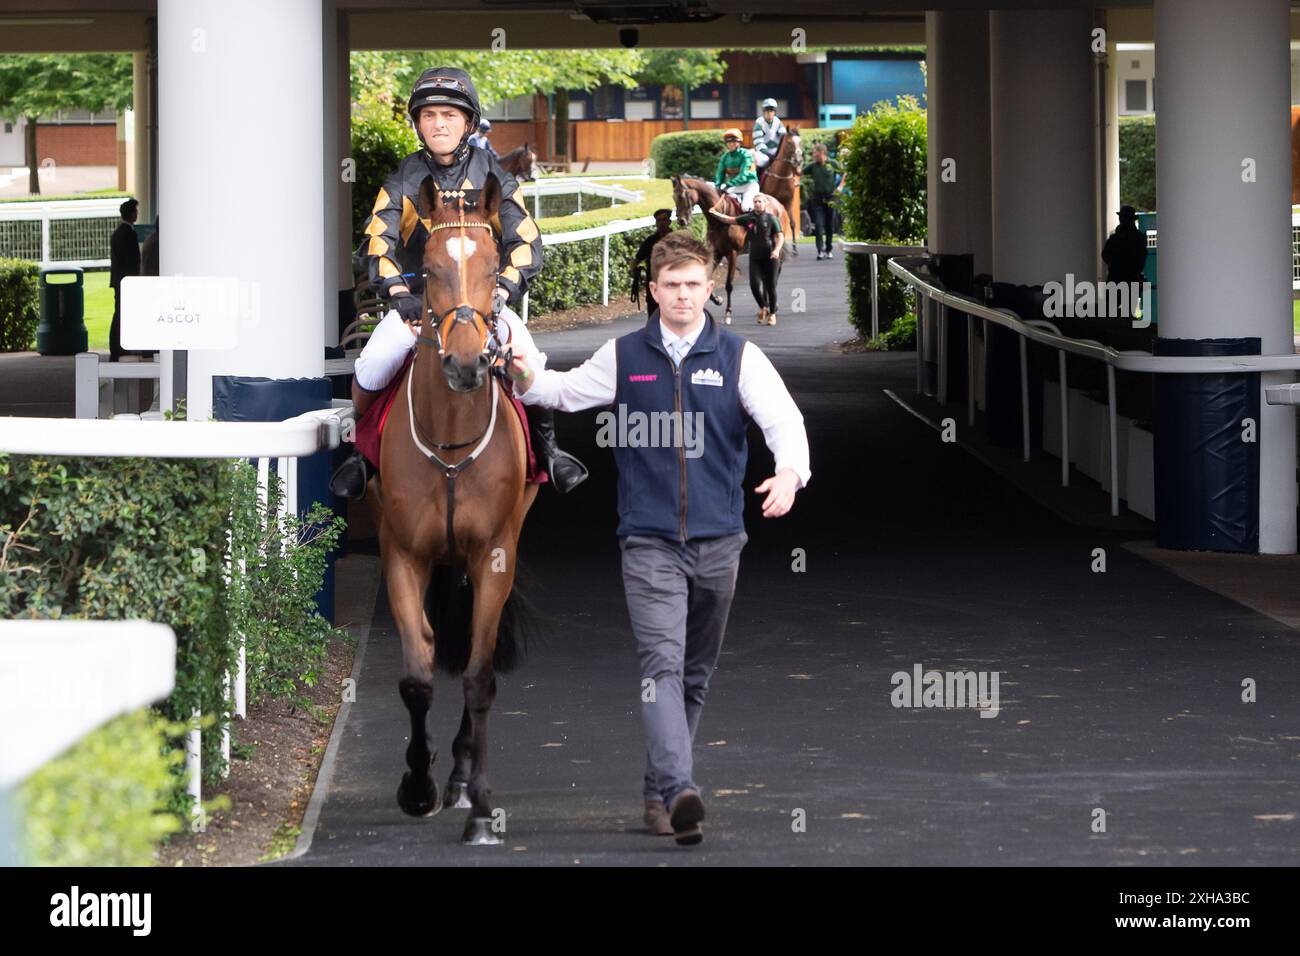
[63, 311]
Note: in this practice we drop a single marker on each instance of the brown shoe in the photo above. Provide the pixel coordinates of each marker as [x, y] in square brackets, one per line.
[656, 818]
[687, 812]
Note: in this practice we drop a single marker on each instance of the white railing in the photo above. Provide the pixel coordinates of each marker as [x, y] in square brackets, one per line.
[90, 369]
[565, 186]
[875, 252]
[595, 232]
[285, 441]
[932, 296]
[84, 228]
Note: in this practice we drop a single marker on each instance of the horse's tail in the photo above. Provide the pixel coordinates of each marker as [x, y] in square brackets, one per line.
[449, 603]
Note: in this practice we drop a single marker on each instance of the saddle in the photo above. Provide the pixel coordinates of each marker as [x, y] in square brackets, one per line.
[730, 205]
[370, 427]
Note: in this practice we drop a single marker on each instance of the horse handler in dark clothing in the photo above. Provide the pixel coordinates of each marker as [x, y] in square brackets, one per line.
[680, 499]
[1125, 251]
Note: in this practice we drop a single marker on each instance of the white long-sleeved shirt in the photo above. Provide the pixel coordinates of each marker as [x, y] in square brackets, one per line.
[763, 395]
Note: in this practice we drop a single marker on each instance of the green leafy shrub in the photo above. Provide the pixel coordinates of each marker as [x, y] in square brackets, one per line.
[381, 139]
[884, 161]
[1137, 164]
[19, 304]
[105, 801]
[273, 601]
[689, 152]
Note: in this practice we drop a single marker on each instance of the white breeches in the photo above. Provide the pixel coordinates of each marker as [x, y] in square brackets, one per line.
[393, 340]
[745, 194]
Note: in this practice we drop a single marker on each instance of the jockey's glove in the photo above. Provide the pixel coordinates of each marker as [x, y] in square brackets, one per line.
[409, 307]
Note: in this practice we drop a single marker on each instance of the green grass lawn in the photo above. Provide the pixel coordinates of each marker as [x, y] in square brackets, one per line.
[99, 309]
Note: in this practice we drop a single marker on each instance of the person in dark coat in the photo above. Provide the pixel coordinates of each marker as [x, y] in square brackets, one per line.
[149, 253]
[641, 261]
[124, 260]
[1125, 252]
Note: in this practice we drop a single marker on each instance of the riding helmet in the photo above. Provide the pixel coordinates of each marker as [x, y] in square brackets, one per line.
[445, 84]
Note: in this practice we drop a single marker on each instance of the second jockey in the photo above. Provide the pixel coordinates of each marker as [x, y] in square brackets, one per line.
[735, 173]
[768, 130]
[444, 109]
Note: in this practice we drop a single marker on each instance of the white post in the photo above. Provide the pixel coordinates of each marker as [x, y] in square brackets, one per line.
[1114, 440]
[941, 323]
[1065, 418]
[1024, 395]
[524, 314]
[45, 235]
[604, 268]
[225, 732]
[86, 373]
[537, 204]
[194, 764]
[970, 370]
[875, 296]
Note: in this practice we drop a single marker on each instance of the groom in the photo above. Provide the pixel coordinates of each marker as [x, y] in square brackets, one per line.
[681, 516]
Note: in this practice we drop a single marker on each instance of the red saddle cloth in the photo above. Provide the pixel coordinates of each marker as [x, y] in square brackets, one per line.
[370, 427]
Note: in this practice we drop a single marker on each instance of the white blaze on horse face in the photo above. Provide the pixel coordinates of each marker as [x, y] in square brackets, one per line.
[460, 249]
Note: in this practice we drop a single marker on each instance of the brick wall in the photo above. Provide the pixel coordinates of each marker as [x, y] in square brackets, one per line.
[77, 144]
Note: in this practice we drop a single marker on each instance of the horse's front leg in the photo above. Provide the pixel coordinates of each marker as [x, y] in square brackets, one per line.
[491, 588]
[408, 577]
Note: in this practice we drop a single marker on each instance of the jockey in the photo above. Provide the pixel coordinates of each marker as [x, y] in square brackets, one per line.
[480, 139]
[735, 173]
[768, 130]
[444, 108]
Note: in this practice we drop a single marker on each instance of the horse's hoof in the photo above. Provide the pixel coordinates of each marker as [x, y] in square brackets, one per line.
[424, 805]
[478, 832]
[458, 795]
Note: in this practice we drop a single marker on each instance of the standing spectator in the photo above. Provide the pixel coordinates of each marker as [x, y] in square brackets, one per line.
[124, 260]
[1125, 251]
[826, 185]
[641, 261]
[480, 139]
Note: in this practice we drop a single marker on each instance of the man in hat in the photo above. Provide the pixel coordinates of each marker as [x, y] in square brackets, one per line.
[641, 261]
[1125, 251]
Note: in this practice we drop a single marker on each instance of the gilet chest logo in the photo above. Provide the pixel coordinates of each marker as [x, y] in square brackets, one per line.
[642, 378]
[707, 376]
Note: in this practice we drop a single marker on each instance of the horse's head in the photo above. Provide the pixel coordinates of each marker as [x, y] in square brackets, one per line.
[528, 169]
[792, 134]
[460, 265]
[684, 200]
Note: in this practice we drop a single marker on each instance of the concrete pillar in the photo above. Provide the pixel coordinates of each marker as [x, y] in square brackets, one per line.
[1223, 95]
[957, 95]
[342, 230]
[1041, 87]
[140, 148]
[241, 119]
[1110, 141]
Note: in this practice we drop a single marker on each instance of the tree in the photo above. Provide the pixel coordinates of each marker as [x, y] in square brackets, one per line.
[683, 68]
[35, 85]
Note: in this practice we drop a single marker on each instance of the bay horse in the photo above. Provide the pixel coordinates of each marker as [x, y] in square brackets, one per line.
[521, 162]
[781, 180]
[453, 460]
[725, 241]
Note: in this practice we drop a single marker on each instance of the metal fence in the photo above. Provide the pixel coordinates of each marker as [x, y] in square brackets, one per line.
[71, 232]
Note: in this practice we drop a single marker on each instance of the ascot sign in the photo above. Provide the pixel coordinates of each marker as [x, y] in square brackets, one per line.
[185, 312]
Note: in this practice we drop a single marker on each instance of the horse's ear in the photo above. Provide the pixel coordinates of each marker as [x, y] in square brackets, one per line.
[490, 198]
[428, 198]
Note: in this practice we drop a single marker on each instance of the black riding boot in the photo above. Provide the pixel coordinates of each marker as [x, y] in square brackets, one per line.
[566, 471]
[351, 478]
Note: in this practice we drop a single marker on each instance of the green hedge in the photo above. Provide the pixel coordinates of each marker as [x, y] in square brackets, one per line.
[690, 153]
[1137, 164]
[884, 161]
[19, 304]
[119, 538]
[103, 802]
[124, 538]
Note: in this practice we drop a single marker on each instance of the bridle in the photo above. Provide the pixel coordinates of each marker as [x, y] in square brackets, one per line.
[794, 163]
[461, 314]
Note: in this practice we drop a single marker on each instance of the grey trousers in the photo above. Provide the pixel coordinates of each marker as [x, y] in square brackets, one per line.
[678, 597]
